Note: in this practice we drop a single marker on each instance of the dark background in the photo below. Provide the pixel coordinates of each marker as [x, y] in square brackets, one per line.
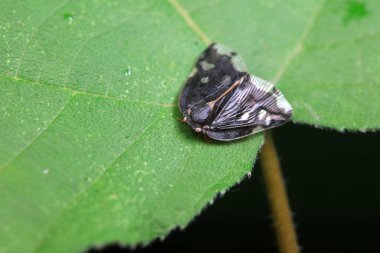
[333, 183]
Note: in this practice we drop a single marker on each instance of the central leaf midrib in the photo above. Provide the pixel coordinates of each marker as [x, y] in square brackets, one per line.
[84, 93]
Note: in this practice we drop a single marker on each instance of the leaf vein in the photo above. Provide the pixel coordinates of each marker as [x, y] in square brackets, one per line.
[299, 44]
[100, 33]
[38, 135]
[177, 180]
[190, 22]
[74, 92]
[76, 199]
[34, 33]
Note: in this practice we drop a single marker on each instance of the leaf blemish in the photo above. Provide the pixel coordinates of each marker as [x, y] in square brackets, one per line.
[128, 71]
[69, 17]
[355, 10]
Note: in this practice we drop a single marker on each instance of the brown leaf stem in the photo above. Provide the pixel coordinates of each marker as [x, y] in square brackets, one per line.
[278, 201]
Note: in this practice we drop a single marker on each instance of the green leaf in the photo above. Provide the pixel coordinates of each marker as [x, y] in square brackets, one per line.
[324, 55]
[91, 150]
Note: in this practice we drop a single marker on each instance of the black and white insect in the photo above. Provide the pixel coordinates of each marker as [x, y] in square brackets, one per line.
[222, 101]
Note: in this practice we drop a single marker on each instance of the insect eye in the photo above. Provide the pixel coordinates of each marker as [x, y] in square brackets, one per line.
[200, 115]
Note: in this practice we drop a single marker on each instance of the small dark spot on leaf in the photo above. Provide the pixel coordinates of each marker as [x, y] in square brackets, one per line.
[355, 11]
[67, 16]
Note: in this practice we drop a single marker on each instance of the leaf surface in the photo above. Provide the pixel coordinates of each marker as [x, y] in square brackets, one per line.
[91, 151]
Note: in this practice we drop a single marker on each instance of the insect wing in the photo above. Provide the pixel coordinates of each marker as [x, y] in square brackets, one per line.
[255, 105]
[215, 71]
[232, 134]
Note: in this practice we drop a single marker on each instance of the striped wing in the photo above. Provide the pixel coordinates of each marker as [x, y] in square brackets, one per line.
[254, 105]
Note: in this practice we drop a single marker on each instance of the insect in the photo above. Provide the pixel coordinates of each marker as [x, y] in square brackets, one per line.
[222, 101]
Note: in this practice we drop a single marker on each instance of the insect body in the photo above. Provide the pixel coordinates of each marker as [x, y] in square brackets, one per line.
[221, 100]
